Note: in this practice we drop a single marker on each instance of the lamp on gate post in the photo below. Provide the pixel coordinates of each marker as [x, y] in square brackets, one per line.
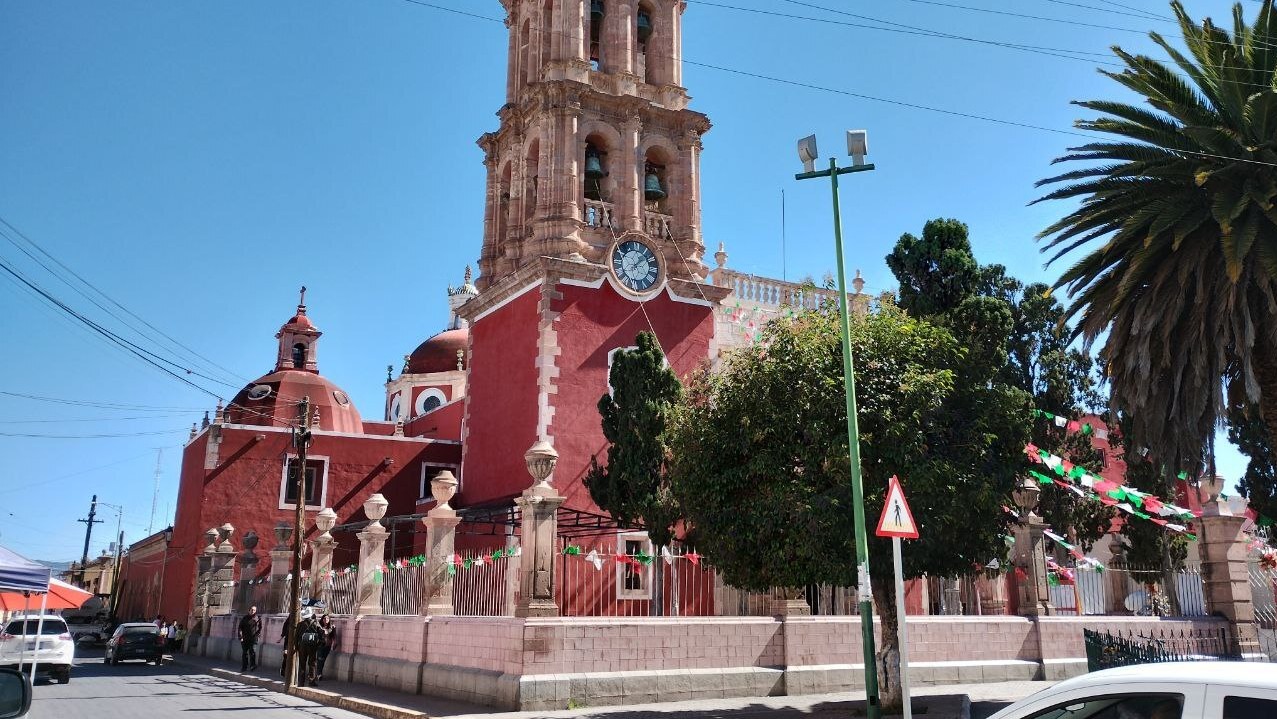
[857, 147]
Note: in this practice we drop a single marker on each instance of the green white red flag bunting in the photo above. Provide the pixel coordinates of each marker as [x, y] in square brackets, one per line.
[1073, 425]
[1126, 499]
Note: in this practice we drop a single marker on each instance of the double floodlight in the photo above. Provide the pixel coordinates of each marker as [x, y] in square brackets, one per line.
[857, 147]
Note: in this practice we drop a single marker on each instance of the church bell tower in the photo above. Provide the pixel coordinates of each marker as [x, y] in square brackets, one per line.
[596, 140]
[591, 235]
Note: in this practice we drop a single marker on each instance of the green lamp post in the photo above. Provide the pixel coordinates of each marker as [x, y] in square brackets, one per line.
[857, 147]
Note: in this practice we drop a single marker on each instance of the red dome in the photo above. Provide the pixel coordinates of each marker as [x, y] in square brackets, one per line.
[272, 401]
[439, 353]
[300, 320]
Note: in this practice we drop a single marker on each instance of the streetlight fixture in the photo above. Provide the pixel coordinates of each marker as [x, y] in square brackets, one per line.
[857, 148]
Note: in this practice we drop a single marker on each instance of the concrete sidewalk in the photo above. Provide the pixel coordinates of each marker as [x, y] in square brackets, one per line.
[957, 701]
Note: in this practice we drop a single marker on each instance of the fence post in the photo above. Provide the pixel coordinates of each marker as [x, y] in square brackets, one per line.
[247, 561]
[441, 533]
[222, 573]
[372, 550]
[281, 560]
[1225, 575]
[1030, 556]
[321, 554]
[538, 507]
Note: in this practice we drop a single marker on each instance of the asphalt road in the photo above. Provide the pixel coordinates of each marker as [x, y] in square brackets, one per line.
[134, 690]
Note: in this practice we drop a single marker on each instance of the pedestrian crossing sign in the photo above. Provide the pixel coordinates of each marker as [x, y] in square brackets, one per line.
[896, 519]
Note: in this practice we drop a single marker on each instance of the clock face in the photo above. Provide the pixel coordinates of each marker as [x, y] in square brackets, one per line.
[635, 265]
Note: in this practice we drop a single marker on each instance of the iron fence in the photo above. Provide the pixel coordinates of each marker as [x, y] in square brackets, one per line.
[1107, 650]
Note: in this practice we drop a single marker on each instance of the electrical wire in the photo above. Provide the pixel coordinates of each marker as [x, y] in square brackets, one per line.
[14, 229]
[101, 405]
[32, 435]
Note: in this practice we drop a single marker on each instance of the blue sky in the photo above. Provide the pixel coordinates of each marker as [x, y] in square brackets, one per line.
[197, 162]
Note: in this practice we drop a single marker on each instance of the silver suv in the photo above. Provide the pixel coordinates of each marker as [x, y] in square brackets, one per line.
[56, 648]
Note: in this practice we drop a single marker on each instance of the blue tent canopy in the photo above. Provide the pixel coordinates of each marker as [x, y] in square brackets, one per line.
[19, 574]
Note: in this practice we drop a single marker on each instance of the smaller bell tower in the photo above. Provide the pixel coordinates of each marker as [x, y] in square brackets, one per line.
[297, 340]
[596, 138]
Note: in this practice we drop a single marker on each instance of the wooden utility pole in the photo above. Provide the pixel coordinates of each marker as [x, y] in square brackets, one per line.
[88, 533]
[301, 442]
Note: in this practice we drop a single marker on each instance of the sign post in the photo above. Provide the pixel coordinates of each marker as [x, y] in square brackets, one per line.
[897, 522]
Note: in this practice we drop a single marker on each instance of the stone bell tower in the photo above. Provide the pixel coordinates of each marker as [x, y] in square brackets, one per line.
[596, 139]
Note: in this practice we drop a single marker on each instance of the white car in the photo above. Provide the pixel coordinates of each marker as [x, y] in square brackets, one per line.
[1174, 690]
[56, 652]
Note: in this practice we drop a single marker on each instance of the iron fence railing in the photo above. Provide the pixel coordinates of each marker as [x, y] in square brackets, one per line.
[1106, 650]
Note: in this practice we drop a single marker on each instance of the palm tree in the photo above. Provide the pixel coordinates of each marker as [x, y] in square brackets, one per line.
[1179, 228]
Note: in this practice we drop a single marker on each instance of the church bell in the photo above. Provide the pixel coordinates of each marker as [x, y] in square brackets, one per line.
[596, 10]
[593, 165]
[644, 26]
[652, 189]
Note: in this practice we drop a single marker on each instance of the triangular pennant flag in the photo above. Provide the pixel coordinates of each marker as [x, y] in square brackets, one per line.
[667, 555]
[694, 558]
[594, 558]
[1060, 421]
[1126, 508]
[572, 551]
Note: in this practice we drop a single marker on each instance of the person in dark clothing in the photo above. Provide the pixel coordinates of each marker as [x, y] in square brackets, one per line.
[286, 638]
[330, 638]
[310, 637]
[250, 630]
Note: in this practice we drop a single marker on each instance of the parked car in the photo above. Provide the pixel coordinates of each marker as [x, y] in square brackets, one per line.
[1173, 690]
[56, 652]
[91, 632]
[136, 640]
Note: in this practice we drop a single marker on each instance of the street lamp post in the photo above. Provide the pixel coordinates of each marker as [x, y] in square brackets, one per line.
[857, 147]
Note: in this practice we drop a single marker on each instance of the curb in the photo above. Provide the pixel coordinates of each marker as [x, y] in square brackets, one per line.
[320, 696]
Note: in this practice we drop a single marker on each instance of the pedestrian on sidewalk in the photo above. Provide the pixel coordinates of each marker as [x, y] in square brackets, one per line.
[310, 637]
[329, 631]
[250, 629]
[170, 637]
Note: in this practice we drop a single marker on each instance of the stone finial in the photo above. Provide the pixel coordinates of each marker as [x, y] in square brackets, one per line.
[406, 360]
[469, 274]
[721, 256]
[375, 507]
[314, 419]
[325, 521]
[461, 360]
[443, 487]
[210, 539]
[219, 414]
[205, 422]
[250, 541]
[283, 533]
[224, 532]
[858, 284]
[390, 369]
[193, 431]
[540, 459]
[399, 427]
[1026, 497]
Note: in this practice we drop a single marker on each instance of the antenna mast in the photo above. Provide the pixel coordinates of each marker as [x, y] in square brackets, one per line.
[155, 496]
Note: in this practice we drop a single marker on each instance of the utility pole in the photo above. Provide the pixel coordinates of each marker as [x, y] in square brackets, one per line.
[88, 534]
[301, 442]
[116, 584]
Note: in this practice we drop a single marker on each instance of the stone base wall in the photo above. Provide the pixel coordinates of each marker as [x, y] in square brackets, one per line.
[543, 663]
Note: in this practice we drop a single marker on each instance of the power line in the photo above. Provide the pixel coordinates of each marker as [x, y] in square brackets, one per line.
[83, 419]
[890, 101]
[102, 405]
[33, 435]
[1141, 14]
[105, 296]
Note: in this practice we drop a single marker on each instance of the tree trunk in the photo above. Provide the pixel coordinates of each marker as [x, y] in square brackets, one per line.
[890, 693]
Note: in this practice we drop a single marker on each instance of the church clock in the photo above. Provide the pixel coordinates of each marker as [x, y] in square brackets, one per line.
[635, 265]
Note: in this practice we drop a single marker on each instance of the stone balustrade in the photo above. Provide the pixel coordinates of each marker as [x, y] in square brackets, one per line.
[658, 225]
[599, 214]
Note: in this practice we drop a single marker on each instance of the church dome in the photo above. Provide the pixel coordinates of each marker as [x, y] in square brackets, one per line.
[272, 401]
[439, 353]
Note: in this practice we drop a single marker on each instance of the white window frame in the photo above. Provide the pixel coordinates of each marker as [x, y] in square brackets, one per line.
[323, 482]
[428, 472]
[435, 392]
[623, 569]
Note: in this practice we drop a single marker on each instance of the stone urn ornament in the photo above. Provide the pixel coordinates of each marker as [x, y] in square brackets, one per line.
[375, 507]
[325, 521]
[283, 533]
[541, 459]
[443, 487]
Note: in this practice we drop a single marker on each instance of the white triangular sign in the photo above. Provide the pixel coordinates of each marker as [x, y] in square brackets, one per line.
[896, 519]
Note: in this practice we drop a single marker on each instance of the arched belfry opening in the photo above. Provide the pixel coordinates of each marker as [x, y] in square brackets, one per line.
[598, 14]
[299, 356]
[643, 28]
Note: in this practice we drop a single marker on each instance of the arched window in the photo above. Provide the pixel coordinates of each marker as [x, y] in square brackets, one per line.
[597, 13]
[595, 171]
[299, 355]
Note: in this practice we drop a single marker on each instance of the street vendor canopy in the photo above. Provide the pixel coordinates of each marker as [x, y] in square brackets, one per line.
[19, 574]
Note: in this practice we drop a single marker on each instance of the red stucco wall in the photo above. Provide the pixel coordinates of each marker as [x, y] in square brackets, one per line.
[591, 323]
[502, 395]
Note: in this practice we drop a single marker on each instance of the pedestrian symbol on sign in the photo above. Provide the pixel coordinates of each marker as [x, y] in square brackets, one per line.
[896, 520]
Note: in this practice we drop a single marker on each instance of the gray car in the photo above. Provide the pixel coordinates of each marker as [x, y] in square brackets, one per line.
[141, 640]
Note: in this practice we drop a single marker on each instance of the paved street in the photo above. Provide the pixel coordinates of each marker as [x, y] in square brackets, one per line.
[143, 691]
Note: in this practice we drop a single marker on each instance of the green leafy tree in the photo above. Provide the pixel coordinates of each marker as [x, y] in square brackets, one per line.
[1177, 265]
[1018, 333]
[1259, 485]
[634, 484]
[760, 456]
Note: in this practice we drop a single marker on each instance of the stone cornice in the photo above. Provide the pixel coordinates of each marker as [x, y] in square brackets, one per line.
[546, 270]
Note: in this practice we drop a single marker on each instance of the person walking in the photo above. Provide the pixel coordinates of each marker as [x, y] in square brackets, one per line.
[329, 631]
[181, 638]
[170, 637]
[250, 629]
[310, 637]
